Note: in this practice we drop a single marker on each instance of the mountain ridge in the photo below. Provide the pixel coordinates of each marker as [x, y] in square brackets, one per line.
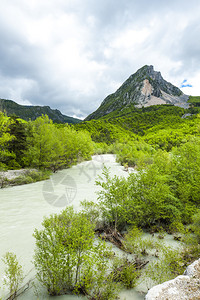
[27, 112]
[145, 87]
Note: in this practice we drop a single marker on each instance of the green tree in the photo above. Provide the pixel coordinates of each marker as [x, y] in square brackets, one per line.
[45, 149]
[18, 144]
[53, 147]
[77, 145]
[5, 138]
[151, 199]
[112, 199]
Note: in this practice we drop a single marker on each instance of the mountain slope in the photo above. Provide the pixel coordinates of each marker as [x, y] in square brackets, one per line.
[146, 87]
[32, 112]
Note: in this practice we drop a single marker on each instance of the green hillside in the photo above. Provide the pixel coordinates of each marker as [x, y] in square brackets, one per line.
[26, 112]
[194, 101]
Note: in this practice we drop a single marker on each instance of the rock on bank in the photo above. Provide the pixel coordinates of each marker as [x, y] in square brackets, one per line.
[183, 287]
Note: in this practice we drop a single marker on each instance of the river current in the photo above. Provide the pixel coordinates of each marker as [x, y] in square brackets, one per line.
[22, 209]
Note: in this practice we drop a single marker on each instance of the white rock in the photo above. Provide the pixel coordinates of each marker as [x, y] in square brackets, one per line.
[183, 287]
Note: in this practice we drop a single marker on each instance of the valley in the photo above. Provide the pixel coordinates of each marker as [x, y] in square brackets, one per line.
[91, 161]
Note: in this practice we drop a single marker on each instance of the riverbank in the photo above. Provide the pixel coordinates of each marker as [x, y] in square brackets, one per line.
[22, 176]
[184, 286]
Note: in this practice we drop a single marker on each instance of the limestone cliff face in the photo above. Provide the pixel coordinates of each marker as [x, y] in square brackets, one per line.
[183, 287]
[144, 88]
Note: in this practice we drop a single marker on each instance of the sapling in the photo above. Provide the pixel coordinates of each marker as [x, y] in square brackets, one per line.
[13, 274]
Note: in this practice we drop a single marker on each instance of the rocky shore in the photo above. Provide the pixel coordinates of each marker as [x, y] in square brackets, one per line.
[22, 176]
[183, 287]
[12, 174]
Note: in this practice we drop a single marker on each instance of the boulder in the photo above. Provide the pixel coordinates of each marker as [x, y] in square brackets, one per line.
[183, 287]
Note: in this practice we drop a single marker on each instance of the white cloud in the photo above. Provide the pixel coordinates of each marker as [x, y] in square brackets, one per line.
[130, 38]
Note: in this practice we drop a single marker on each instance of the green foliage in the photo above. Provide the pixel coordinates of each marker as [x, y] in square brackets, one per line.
[194, 100]
[140, 120]
[32, 112]
[104, 287]
[133, 241]
[196, 225]
[13, 274]
[3, 178]
[42, 144]
[167, 192]
[103, 131]
[170, 265]
[161, 126]
[18, 129]
[134, 153]
[186, 171]
[103, 148]
[53, 148]
[176, 227]
[125, 272]
[152, 200]
[67, 258]
[163, 193]
[112, 199]
[190, 238]
[5, 138]
[91, 210]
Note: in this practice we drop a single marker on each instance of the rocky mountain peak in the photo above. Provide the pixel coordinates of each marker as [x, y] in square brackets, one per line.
[146, 87]
[148, 71]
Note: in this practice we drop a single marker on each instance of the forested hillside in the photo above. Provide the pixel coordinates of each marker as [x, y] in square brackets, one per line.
[31, 112]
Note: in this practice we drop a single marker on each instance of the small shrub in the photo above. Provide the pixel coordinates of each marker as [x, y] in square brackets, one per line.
[133, 239]
[124, 271]
[13, 273]
[176, 227]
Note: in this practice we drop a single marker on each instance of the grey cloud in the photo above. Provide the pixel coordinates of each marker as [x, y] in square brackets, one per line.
[103, 22]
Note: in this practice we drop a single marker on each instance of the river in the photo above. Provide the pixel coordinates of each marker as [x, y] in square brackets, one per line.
[23, 207]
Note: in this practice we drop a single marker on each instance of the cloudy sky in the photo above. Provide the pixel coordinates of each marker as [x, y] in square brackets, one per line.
[70, 54]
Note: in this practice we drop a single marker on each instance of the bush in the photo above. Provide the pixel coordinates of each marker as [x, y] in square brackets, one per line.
[67, 257]
[13, 273]
[125, 272]
[132, 240]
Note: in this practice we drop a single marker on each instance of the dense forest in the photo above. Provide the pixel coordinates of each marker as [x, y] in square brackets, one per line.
[163, 144]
